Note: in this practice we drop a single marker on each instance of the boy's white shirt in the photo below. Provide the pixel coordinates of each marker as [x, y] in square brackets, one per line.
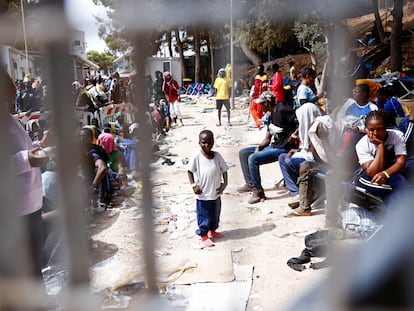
[207, 174]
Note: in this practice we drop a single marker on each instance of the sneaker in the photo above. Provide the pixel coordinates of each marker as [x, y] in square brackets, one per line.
[299, 212]
[257, 196]
[245, 188]
[214, 234]
[294, 202]
[207, 242]
[100, 208]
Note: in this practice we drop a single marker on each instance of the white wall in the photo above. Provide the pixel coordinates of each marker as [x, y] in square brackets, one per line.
[14, 62]
[156, 63]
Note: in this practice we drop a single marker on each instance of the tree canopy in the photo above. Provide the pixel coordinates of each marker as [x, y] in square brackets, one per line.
[104, 60]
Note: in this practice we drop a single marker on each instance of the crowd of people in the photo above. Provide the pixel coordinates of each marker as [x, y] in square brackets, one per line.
[325, 151]
[366, 142]
[107, 149]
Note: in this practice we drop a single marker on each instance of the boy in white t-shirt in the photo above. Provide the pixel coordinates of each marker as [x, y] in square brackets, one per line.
[207, 173]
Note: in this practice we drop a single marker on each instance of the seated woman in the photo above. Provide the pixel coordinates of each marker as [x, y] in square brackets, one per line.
[382, 155]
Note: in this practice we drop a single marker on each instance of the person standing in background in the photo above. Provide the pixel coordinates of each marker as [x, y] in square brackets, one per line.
[293, 73]
[222, 85]
[260, 82]
[277, 84]
[172, 90]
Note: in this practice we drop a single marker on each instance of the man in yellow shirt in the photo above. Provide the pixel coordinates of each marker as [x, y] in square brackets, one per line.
[222, 86]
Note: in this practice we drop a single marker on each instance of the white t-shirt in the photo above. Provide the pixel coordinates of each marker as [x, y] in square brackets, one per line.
[207, 174]
[366, 150]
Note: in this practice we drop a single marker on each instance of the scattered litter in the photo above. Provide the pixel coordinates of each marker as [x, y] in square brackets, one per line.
[237, 249]
[297, 233]
[267, 210]
[161, 252]
[159, 183]
[137, 216]
[252, 296]
[131, 289]
[113, 213]
[113, 249]
[160, 229]
[253, 209]
[55, 279]
[95, 245]
[175, 236]
[136, 245]
[114, 300]
[175, 298]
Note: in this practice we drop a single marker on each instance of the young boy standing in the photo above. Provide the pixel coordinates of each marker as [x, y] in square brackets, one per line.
[207, 173]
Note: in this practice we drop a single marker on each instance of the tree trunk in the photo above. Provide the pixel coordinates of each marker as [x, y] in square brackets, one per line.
[169, 41]
[396, 44]
[211, 56]
[251, 55]
[181, 53]
[378, 22]
[196, 36]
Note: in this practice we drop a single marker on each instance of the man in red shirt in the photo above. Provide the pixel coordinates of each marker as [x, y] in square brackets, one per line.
[277, 84]
[171, 89]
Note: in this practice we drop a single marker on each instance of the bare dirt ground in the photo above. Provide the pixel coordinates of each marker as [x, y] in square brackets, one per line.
[255, 235]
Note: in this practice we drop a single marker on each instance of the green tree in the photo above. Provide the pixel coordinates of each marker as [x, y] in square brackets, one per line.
[261, 29]
[104, 60]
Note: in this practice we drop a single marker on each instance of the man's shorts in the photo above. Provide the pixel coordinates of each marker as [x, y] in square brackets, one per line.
[221, 102]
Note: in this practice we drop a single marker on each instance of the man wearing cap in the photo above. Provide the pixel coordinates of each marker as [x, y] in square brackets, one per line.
[282, 123]
[171, 89]
[222, 85]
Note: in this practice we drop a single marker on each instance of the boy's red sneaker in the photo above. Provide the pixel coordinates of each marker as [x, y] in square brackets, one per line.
[214, 234]
[206, 241]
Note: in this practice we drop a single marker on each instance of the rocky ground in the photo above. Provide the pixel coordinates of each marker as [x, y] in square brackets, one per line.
[256, 235]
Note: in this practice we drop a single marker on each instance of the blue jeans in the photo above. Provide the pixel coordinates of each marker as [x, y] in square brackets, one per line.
[250, 162]
[290, 171]
[208, 215]
[395, 198]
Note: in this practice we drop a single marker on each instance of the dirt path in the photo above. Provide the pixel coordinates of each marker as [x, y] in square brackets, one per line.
[256, 234]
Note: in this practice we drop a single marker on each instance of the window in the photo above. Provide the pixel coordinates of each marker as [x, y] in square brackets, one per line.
[166, 66]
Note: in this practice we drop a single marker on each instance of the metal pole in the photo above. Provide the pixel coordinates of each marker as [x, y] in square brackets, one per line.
[25, 38]
[231, 55]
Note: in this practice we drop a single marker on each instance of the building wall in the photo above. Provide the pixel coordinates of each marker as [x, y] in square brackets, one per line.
[77, 43]
[14, 61]
[162, 64]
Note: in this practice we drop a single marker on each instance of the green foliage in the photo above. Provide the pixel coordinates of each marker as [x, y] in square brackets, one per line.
[264, 27]
[104, 60]
[261, 34]
[311, 36]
